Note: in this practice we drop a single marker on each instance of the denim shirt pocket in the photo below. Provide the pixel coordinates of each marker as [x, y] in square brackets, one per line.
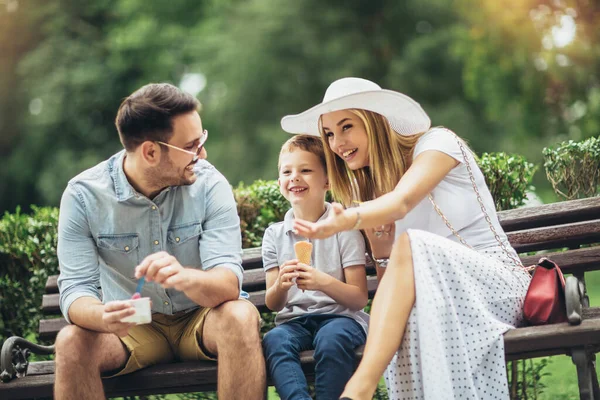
[120, 252]
[183, 243]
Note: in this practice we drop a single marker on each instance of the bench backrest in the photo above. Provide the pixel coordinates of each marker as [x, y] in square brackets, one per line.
[569, 224]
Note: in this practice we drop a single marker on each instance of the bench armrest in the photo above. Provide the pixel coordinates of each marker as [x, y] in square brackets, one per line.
[15, 354]
[574, 296]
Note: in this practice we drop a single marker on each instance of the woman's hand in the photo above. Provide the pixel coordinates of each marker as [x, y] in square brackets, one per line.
[338, 220]
[381, 239]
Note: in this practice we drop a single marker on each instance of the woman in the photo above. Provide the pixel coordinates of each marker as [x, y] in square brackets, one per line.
[453, 284]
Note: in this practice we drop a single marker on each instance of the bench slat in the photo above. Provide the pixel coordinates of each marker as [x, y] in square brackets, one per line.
[570, 261]
[550, 214]
[167, 378]
[524, 240]
[555, 237]
[48, 328]
[251, 260]
[51, 284]
[535, 340]
[188, 377]
[254, 279]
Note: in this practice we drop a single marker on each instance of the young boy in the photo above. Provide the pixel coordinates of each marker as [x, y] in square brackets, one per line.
[319, 305]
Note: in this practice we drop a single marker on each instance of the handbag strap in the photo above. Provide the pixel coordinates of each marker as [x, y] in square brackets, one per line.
[509, 254]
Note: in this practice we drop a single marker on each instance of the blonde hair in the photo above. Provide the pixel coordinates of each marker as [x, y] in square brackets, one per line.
[390, 155]
[309, 143]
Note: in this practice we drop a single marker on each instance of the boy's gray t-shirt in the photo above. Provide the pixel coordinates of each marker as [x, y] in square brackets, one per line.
[329, 255]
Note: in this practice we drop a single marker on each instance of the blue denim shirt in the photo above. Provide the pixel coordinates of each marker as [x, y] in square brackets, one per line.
[106, 229]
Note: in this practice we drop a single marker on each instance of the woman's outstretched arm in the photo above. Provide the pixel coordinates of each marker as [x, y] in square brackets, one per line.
[425, 173]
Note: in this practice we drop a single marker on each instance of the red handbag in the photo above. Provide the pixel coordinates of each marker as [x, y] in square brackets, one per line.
[545, 298]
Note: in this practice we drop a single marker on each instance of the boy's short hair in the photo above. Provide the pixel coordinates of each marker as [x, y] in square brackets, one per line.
[310, 143]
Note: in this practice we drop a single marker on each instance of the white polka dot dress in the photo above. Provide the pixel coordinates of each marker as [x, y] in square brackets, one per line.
[453, 346]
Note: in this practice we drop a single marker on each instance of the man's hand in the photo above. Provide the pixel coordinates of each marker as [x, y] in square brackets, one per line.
[114, 312]
[310, 278]
[165, 270]
[287, 272]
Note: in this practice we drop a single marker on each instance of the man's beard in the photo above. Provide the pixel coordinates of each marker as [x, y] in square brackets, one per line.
[166, 174]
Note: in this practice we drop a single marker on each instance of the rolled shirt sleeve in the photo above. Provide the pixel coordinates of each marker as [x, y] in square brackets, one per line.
[221, 241]
[77, 253]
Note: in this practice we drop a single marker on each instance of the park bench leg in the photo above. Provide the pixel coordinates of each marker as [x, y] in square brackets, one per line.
[587, 379]
[15, 354]
[594, 376]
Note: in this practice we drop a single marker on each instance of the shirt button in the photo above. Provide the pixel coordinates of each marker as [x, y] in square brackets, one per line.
[154, 207]
[166, 303]
[177, 239]
[126, 248]
[156, 242]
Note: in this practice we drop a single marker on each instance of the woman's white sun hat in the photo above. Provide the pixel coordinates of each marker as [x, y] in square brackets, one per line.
[404, 114]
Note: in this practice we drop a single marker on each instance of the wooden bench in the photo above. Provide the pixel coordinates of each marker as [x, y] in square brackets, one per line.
[574, 225]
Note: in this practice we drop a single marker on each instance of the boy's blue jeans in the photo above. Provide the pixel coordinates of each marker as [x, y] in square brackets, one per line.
[333, 337]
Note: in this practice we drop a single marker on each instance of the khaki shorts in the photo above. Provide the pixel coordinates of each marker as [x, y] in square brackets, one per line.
[167, 338]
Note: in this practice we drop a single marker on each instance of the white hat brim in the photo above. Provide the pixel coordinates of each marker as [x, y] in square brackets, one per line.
[404, 114]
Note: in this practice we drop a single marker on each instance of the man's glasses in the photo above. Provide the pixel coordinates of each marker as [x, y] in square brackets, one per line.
[196, 153]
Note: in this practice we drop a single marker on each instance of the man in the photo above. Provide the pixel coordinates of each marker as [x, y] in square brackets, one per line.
[157, 210]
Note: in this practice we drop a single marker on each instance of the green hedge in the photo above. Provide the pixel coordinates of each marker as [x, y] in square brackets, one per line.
[27, 258]
[509, 178]
[573, 168]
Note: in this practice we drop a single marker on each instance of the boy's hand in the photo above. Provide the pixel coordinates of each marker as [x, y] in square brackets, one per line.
[310, 278]
[287, 272]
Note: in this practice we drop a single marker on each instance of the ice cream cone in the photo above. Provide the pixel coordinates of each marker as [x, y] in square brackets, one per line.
[303, 252]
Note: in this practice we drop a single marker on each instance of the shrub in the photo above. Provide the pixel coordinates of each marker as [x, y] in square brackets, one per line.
[573, 168]
[259, 205]
[27, 258]
[508, 177]
[524, 378]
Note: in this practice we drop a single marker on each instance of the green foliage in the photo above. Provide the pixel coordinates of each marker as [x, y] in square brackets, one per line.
[524, 378]
[573, 168]
[70, 63]
[27, 258]
[268, 322]
[532, 84]
[508, 177]
[259, 205]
